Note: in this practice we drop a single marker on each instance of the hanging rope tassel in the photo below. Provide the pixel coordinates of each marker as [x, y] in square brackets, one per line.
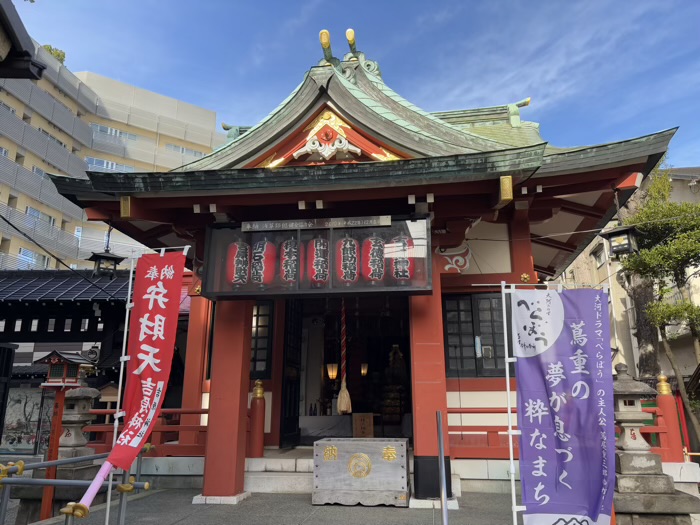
[344, 403]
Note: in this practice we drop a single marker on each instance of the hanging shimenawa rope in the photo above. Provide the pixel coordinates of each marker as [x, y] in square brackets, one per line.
[344, 404]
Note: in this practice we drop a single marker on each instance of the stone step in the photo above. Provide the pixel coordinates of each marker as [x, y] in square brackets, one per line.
[299, 483]
[279, 482]
[645, 483]
[677, 503]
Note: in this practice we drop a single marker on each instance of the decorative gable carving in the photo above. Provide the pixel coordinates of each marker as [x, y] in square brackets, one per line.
[327, 139]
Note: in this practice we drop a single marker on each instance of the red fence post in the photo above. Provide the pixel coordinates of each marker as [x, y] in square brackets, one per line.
[667, 403]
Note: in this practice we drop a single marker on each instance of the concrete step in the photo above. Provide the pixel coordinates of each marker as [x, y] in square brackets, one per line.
[279, 482]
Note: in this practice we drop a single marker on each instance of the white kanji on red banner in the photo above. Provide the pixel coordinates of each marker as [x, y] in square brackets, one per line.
[152, 333]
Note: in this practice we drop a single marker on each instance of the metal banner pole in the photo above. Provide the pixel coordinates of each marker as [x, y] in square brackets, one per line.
[441, 467]
[509, 403]
[122, 360]
[121, 517]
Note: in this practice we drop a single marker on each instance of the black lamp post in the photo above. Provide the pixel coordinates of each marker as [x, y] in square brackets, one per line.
[623, 240]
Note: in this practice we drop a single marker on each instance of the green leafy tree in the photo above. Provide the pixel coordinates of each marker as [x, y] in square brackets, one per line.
[669, 254]
[669, 243]
[58, 54]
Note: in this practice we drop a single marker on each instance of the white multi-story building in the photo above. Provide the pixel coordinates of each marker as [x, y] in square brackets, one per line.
[68, 123]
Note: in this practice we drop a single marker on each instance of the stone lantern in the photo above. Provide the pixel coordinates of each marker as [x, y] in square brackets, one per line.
[628, 394]
[643, 493]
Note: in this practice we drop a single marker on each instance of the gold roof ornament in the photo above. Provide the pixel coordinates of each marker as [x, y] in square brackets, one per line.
[325, 37]
[350, 35]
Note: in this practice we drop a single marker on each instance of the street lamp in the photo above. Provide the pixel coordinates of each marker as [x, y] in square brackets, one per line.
[105, 263]
[623, 240]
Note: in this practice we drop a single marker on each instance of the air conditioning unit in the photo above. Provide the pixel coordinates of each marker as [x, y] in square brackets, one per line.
[92, 354]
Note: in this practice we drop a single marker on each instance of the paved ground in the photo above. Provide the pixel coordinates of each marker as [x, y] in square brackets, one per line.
[170, 507]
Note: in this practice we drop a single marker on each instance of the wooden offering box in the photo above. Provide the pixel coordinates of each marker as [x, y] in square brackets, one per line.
[361, 470]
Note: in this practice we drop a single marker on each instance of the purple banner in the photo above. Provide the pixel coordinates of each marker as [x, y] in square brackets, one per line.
[565, 405]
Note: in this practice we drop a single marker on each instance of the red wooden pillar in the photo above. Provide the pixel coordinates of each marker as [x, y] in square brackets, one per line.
[52, 453]
[429, 388]
[667, 403]
[224, 463]
[521, 246]
[198, 328]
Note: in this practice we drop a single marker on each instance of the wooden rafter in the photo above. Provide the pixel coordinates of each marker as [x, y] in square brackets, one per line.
[553, 243]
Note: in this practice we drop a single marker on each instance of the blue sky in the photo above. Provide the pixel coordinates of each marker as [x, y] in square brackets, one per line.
[597, 71]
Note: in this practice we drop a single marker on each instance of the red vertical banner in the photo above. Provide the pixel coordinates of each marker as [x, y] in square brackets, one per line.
[152, 330]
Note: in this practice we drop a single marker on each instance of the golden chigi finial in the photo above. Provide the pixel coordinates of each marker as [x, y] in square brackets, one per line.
[350, 35]
[325, 37]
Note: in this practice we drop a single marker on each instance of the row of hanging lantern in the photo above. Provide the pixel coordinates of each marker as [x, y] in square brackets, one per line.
[372, 261]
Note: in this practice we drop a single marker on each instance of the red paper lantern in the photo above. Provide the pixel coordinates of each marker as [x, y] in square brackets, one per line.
[262, 269]
[347, 255]
[291, 262]
[373, 267]
[402, 264]
[318, 262]
[238, 263]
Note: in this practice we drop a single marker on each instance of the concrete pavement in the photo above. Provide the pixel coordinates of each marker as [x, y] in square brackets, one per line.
[170, 507]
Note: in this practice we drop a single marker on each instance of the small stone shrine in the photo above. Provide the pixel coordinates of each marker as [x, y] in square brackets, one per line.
[644, 495]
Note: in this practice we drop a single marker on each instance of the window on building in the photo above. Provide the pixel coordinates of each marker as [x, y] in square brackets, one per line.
[474, 338]
[183, 150]
[114, 132]
[37, 214]
[96, 164]
[32, 260]
[52, 138]
[39, 171]
[261, 341]
[8, 108]
[598, 255]
[4, 152]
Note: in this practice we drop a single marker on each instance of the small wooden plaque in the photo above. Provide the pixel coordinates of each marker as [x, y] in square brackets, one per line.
[363, 425]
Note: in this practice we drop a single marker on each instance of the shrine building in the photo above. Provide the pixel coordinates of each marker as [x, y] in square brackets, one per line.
[347, 197]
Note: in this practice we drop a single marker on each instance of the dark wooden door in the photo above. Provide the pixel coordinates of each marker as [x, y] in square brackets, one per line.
[291, 387]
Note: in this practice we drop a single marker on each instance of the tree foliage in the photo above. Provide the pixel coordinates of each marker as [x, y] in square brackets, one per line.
[58, 54]
[669, 252]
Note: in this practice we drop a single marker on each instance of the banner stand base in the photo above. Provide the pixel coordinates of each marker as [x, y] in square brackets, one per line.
[220, 500]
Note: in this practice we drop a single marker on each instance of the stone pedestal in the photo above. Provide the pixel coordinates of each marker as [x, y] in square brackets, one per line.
[71, 445]
[644, 495]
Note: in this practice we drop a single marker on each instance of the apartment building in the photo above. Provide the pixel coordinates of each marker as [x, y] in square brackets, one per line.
[68, 123]
[595, 266]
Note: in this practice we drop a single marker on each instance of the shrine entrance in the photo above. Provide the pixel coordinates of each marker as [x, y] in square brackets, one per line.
[378, 374]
